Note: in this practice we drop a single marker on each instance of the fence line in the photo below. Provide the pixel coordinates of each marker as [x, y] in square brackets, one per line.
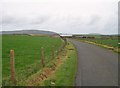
[12, 61]
[59, 50]
[63, 45]
[43, 64]
[53, 52]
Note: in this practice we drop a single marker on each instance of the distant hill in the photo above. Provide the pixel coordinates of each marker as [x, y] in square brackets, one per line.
[29, 32]
[94, 34]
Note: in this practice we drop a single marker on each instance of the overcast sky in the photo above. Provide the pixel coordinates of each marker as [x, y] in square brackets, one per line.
[62, 16]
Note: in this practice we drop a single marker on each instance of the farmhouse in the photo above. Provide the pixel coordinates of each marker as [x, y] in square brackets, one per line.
[66, 35]
[83, 36]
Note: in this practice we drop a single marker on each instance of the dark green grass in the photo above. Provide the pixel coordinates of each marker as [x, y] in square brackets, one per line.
[27, 54]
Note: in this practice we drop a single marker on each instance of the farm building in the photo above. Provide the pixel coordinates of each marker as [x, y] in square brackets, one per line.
[83, 36]
[66, 35]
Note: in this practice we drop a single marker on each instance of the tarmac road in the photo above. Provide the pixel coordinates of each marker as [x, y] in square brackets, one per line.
[96, 66]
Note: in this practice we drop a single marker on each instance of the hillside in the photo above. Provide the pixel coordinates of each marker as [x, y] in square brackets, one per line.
[29, 32]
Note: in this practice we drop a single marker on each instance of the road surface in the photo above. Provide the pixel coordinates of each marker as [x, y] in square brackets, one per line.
[96, 66]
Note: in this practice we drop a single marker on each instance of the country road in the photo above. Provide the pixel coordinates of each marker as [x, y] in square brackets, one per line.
[96, 66]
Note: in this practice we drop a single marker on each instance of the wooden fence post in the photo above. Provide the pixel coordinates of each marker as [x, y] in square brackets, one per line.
[53, 53]
[43, 57]
[58, 55]
[12, 65]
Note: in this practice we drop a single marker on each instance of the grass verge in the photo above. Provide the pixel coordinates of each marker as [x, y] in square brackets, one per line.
[115, 49]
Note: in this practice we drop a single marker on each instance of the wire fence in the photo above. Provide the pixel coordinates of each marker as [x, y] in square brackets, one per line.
[41, 56]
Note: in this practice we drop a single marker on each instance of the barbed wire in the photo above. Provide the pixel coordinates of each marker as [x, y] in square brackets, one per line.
[25, 53]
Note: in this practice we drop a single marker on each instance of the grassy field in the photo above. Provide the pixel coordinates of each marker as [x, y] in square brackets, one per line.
[27, 54]
[110, 43]
[64, 71]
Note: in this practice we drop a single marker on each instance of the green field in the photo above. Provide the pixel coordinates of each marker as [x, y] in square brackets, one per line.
[64, 72]
[27, 54]
[109, 42]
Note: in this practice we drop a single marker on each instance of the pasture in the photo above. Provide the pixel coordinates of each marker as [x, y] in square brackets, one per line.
[110, 42]
[27, 54]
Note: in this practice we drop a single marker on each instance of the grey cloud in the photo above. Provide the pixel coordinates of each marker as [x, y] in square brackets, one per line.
[67, 24]
[94, 20]
[39, 20]
[9, 20]
[55, 17]
[111, 26]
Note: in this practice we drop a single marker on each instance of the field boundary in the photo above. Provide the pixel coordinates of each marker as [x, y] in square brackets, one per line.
[46, 77]
[117, 50]
[14, 79]
[12, 63]
[63, 45]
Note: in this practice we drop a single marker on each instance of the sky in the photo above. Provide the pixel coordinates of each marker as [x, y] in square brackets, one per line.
[61, 16]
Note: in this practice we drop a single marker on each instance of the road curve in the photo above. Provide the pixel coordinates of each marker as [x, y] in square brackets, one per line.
[96, 66]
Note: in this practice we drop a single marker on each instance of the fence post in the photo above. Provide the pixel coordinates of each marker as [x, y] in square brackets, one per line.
[53, 55]
[43, 57]
[12, 65]
[58, 55]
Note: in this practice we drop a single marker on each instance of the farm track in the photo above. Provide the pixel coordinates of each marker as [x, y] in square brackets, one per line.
[96, 66]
